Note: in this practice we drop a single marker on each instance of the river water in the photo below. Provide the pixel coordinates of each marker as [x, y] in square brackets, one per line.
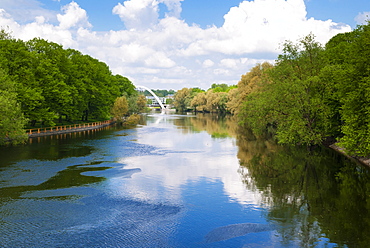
[179, 181]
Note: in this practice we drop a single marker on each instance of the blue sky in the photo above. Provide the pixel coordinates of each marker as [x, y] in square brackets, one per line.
[180, 43]
[211, 12]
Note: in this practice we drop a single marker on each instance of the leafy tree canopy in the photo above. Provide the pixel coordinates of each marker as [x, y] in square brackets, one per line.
[45, 82]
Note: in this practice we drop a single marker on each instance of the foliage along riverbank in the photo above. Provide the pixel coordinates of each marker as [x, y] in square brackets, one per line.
[41, 82]
[312, 94]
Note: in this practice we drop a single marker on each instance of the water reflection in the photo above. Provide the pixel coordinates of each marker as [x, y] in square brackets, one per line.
[72, 176]
[180, 181]
[316, 196]
[200, 155]
[305, 189]
[54, 194]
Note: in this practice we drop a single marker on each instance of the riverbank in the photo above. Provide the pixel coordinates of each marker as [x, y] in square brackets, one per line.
[362, 160]
[40, 132]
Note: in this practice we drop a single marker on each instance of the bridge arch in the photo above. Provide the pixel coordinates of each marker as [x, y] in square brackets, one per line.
[154, 95]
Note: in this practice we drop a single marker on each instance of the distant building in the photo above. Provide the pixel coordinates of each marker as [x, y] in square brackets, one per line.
[152, 102]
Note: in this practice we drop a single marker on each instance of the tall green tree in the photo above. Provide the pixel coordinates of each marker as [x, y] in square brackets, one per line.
[248, 83]
[93, 86]
[125, 86]
[51, 69]
[199, 102]
[141, 103]
[12, 120]
[293, 99]
[348, 68]
[17, 62]
[52, 82]
[182, 99]
[216, 101]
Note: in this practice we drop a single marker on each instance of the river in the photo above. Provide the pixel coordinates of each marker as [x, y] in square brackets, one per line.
[179, 181]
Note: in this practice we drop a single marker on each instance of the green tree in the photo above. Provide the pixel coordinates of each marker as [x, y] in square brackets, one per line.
[216, 101]
[125, 86]
[137, 104]
[52, 82]
[199, 102]
[182, 99]
[293, 99]
[248, 83]
[95, 87]
[348, 69]
[5, 35]
[160, 93]
[141, 103]
[12, 120]
[169, 101]
[120, 108]
[219, 87]
[50, 68]
[101, 96]
[133, 108]
[17, 62]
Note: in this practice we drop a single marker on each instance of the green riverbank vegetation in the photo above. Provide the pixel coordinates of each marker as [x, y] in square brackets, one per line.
[42, 84]
[311, 94]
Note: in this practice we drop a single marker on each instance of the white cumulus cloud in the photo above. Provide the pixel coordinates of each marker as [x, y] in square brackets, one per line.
[168, 52]
[208, 63]
[174, 7]
[73, 16]
[138, 14]
[361, 18]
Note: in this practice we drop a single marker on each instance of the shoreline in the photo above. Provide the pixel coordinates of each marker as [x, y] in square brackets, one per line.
[362, 160]
[66, 131]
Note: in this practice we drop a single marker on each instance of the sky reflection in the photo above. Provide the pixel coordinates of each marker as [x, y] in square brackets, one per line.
[174, 180]
[186, 158]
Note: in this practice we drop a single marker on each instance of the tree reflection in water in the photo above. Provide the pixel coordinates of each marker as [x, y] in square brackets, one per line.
[313, 194]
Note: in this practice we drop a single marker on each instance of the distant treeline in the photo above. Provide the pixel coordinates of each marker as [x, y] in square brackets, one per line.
[311, 94]
[40, 82]
[160, 93]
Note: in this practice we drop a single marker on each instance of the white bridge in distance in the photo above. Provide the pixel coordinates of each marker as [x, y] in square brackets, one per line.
[154, 95]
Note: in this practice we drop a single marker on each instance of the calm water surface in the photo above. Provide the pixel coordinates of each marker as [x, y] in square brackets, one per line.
[179, 181]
